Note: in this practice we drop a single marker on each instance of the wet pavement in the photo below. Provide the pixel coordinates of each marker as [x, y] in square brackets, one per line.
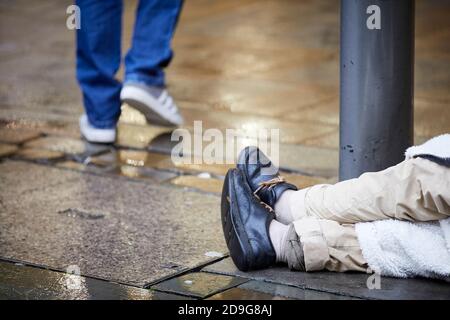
[353, 285]
[124, 230]
[134, 224]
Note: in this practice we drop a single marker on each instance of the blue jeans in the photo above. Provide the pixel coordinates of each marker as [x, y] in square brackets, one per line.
[99, 54]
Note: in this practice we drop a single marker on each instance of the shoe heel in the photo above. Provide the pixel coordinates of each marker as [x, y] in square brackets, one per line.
[225, 207]
[235, 242]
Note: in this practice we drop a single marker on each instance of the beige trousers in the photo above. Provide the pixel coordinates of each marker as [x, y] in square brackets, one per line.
[414, 190]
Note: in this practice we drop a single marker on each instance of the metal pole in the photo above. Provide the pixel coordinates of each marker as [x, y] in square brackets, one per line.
[377, 82]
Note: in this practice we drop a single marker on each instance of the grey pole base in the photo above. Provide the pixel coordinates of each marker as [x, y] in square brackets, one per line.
[377, 84]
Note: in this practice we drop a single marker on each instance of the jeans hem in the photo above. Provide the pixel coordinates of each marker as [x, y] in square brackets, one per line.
[146, 80]
[103, 124]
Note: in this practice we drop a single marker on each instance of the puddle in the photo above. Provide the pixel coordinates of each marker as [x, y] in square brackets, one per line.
[244, 294]
[31, 283]
[213, 254]
[75, 147]
[76, 213]
[199, 284]
[133, 130]
[203, 184]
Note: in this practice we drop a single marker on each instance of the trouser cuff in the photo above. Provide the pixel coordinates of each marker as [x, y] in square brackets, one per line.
[314, 245]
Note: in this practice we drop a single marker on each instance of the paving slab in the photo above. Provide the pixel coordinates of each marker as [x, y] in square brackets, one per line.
[309, 160]
[199, 284]
[140, 158]
[322, 162]
[202, 182]
[7, 149]
[20, 282]
[73, 165]
[431, 117]
[39, 155]
[288, 291]
[245, 294]
[142, 232]
[162, 144]
[146, 173]
[78, 149]
[17, 135]
[347, 284]
[14, 185]
[329, 140]
[293, 157]
[208, 178]
[302, 181]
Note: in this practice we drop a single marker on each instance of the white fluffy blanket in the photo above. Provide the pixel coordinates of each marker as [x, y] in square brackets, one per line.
[404, 249]
[438, 146]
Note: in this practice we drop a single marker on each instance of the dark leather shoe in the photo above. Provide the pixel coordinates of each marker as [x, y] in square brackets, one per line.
[245, 222]
[262, 176]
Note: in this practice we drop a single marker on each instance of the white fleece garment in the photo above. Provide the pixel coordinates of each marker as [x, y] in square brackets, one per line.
[438, 146]
[404, 249]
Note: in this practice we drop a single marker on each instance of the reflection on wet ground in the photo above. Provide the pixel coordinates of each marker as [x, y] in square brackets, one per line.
[198, 284]
[21, 282]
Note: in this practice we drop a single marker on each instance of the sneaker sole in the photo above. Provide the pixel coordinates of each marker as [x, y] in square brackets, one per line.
[101, 138]
[233, 229]
[151, 116]
[148, 105]
[98, 141]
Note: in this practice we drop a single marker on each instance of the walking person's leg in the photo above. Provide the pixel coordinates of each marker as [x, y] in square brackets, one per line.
[150, 53]
[98, 59]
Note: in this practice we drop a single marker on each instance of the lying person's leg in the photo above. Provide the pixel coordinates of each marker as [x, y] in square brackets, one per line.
[324, 245]
[255, 240]
[414, 190]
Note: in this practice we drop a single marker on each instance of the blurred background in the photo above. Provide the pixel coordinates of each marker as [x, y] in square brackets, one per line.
[237, 63]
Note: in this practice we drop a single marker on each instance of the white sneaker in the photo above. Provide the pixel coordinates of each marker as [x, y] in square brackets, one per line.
[156, 104]
[96, 135]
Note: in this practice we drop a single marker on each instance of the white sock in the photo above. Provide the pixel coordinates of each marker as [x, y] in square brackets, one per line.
[290, 206]
[278, 233]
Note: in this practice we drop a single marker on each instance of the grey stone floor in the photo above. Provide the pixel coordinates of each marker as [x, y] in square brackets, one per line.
[82, 221]
[132, 232]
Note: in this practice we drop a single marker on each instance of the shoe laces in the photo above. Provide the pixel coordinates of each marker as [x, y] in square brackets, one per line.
[269, 184]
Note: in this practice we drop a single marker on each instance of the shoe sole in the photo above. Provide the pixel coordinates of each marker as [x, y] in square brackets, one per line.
[99, 138]
[151, 116]
[98, 141]
[233, 229]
